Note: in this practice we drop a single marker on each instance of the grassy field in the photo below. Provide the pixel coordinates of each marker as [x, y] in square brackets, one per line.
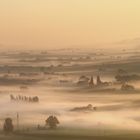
[68, 137]
[73, 135]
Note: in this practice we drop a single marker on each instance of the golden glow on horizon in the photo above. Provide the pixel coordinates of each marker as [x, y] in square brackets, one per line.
[65, 23]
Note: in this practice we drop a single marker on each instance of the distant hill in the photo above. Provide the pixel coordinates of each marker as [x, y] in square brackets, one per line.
[130, 43]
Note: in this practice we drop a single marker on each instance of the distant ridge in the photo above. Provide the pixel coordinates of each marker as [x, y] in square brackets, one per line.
[130, 43]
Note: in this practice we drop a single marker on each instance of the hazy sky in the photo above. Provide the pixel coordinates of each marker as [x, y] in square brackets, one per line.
[66, 23]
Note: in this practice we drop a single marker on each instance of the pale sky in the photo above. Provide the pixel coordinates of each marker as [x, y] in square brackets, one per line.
[67, 23]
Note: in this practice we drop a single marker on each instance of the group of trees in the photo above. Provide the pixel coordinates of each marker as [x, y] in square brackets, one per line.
[127, 78]
[24, 98]
[8, 126]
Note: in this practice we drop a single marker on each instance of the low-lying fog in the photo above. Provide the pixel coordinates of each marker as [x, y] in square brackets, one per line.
[113, 110]
[62, 70]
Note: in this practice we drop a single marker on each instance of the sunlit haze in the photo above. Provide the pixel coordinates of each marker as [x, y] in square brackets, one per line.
[43, 24]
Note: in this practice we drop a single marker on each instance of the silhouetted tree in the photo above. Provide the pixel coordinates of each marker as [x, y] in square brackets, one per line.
[52, 122]
[8, 126]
